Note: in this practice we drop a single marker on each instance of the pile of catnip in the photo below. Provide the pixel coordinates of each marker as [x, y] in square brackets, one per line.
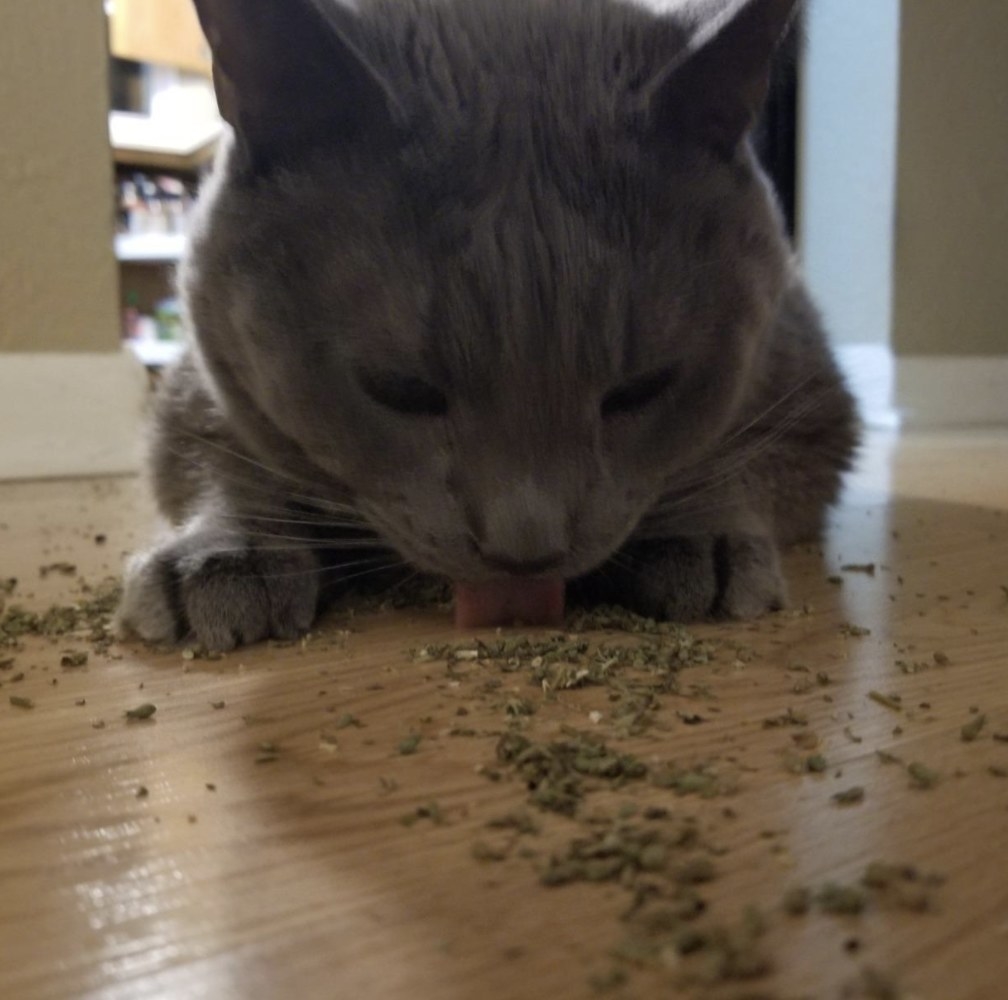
[579, 781]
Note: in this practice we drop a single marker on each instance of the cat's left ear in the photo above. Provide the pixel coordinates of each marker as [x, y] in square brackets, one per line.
[288, 75]
[713, 91]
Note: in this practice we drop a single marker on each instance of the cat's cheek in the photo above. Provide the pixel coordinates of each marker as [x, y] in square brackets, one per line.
[600, 531]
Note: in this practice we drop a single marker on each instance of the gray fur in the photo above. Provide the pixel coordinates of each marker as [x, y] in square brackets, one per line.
[528, 205]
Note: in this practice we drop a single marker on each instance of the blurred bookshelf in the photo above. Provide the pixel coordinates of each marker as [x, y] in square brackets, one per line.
[163, 134]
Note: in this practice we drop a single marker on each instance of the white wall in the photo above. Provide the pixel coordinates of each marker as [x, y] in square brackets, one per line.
[847, 157]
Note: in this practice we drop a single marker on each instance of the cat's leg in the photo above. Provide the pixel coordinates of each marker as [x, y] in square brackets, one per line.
[691, 577]
[702, 554]
[217, 587]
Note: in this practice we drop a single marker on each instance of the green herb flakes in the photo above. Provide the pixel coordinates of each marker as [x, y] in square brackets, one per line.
[409, 745]
[20, 701]
[849, 796]
[689, 781]
[518, 821]
[856, 631]
[900, 886]
[841, 900]
[431, 811]
[816, 764]
[141, 712]
[971, 730]
[619, 852]
[891, 701]
[921, 776]
[788, 718]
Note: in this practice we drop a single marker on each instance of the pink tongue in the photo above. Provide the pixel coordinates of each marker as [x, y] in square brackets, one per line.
[503, 602]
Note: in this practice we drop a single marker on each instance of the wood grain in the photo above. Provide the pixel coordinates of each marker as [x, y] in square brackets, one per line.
[297, 875]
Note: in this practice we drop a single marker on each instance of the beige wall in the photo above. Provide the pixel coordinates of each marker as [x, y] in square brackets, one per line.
[58, 283]
[951, 255]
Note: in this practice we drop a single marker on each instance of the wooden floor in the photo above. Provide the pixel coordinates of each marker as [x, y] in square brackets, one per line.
[265, 834]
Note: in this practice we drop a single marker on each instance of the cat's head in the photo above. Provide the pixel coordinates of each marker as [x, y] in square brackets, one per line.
[500, 267]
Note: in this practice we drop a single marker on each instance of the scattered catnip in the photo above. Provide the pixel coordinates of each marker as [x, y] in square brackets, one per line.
[409, 745]
[849, 796]
[841, 900]
[788, 718]
[816, 764]
[971, 730]
[890, 701]
[922, 776]
[431, 811]
[885, 757]
[144, 711]
[857, 631]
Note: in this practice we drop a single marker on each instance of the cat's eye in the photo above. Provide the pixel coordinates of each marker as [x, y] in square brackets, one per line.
[405, 394]
[638, 393]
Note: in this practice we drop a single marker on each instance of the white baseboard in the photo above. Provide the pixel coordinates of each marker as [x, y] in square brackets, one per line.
[925, 391]
[950, 391]
[70, 414]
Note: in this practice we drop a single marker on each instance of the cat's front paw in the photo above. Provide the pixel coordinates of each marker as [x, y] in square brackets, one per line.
[217, 591]
[692, 578]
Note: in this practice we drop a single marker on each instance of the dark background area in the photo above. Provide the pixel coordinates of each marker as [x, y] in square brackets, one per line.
[775, 137]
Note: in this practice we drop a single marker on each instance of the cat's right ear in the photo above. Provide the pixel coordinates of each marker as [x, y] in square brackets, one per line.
[712, 92]
[289, 76]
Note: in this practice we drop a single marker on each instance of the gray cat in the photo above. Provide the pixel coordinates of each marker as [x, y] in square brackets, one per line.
[494, 290]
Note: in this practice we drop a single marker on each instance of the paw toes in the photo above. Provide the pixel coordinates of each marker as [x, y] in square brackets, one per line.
[226, 611]
[293, 592]
[693, 578]
[149, 608]
[752, 583]
[217, 600]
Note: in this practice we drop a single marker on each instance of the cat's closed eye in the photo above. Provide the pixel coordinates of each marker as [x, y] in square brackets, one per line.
[638, 393]
[406, 395]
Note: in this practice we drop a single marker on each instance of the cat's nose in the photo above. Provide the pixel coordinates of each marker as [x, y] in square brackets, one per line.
[522, 530]
[524, 567]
